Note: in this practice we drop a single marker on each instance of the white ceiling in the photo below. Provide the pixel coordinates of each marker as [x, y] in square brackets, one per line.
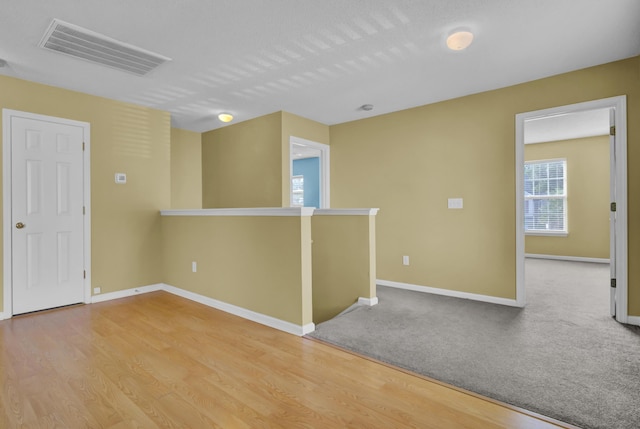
[318, 59]
[301, 151]
[567, 126]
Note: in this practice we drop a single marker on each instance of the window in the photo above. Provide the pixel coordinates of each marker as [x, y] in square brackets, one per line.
[545, 197]
[297, 191]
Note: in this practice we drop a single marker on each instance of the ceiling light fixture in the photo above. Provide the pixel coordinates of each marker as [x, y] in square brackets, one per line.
[367, 107]
[225, 117]
[459, 40]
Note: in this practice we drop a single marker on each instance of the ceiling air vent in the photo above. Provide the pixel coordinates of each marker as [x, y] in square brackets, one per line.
[88, 45]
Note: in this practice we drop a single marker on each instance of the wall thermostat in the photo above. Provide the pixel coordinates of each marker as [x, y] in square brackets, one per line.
[121, 178]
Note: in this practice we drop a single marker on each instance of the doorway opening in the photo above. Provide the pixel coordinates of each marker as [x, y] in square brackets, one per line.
[564, 211]
[309, 173]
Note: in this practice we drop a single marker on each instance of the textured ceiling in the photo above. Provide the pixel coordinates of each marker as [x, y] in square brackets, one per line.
[317, 59]
[567, 126]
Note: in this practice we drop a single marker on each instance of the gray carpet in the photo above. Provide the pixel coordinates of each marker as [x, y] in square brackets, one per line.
[562, 356]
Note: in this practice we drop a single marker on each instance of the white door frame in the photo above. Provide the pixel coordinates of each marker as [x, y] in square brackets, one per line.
[619, 177]
[7, 226]
[325, 168]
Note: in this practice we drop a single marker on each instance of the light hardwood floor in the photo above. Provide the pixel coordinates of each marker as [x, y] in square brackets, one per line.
[160, 361]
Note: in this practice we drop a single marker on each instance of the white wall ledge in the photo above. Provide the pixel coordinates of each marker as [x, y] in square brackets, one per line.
[345, 212]
[271, 211]
[259, 211]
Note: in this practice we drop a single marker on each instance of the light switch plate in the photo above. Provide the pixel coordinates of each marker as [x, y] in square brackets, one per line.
[454, 203]
[121, 178]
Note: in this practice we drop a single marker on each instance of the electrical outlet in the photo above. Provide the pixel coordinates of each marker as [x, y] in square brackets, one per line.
[96, 290]
[194, 267]
[405, 260]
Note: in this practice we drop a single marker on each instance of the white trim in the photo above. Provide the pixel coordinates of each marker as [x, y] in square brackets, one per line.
[325, 166]
[87, 212]
[368, 301]
[243, 312]
[7, 225]
[261, 211]
[4, 316]
[535, 233]
[633, 320]
[448, 292]
[567, 258]
[306, 329]
[519, 161]
[126, 293]
[619, 103]
[6, 214]
[346, 212]
[272, 211]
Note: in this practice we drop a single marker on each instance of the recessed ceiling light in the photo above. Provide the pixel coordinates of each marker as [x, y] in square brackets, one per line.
[459, 40]
[225, 117]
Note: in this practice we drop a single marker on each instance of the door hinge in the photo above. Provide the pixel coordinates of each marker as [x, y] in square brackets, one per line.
[83, 146]
[613, 207]
[612, 130]
[83, 210]
[84, 274]
[613, 282]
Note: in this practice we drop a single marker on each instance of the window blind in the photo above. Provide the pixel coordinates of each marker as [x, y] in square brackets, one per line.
[545, 196]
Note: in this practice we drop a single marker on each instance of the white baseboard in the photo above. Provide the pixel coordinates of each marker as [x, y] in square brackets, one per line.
[633, 320]
[210, 302]
[368, 301]
[243, 312]
[126, 293]
[567, 258]
[214, 303]
[263, 319]
[448, 292]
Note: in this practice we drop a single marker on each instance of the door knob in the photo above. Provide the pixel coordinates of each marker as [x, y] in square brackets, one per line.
[20, 225]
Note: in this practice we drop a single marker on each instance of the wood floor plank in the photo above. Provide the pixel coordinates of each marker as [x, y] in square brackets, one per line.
[161, 361]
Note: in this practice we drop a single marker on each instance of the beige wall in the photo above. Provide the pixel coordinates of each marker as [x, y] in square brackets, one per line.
[587, 198]
[242, 164]
[186, 169]
[247, 164]
[343, 263]
[127, 139]
[297, 126]
[259, 263]
[409, 162]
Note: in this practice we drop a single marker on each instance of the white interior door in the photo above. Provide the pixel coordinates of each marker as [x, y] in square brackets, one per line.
[612, 212]
[47, 236]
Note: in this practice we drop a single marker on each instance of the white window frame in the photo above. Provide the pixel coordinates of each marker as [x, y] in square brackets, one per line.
[297, 192]
[556, 233]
